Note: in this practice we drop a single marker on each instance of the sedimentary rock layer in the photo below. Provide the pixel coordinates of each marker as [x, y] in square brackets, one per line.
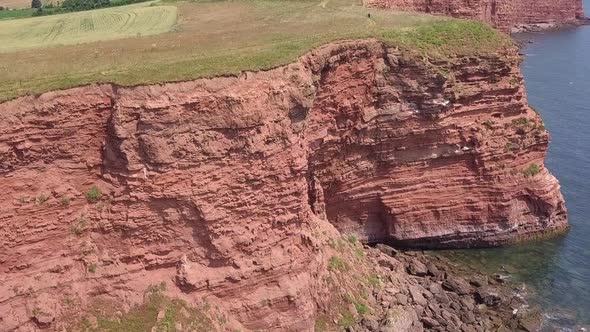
[219, 185]
[503, 14]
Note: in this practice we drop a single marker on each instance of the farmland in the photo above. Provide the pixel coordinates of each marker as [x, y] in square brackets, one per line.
[14, 4]
[88, 26]
[210, 38]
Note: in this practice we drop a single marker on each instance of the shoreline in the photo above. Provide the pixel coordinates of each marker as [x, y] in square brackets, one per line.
[441, 291]
[547, 26]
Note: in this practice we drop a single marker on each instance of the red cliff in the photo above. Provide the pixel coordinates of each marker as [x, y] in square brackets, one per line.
[503, 14]
[221, 186]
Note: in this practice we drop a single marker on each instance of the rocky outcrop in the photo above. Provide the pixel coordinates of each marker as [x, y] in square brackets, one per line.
[221, 187]
[442, 298]
[503, 14]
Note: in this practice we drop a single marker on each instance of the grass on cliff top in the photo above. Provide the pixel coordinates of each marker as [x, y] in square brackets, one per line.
[224, 37]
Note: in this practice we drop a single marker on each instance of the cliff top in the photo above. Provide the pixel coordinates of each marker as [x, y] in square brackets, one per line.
[209, 39]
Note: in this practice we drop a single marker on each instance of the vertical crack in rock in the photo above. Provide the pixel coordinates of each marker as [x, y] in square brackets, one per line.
[316, 197]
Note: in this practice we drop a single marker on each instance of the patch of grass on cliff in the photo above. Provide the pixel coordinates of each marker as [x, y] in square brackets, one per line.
[351, 238]
[338, 244]
[336, 263]
[346, 319]
[92, 268]
[144, 317]
[373, 279]
[531, 170]
[361, 308]
[226, 37]
[521, 122]
[449, 37]
[93, 194]
[42, 198]
[321, 324]
[79, 226]
[65, 201]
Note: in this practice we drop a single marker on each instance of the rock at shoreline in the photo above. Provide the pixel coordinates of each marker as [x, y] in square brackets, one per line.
[450, 304]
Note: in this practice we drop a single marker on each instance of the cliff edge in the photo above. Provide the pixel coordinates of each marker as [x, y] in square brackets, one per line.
[225, 187]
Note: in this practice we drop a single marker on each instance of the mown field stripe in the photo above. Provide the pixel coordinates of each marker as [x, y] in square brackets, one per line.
[84, 27]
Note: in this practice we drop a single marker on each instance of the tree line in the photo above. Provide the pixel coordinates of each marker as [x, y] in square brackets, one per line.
[76, 5]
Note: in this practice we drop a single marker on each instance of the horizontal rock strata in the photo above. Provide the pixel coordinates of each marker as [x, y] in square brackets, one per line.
[217, 186]
[503, 14]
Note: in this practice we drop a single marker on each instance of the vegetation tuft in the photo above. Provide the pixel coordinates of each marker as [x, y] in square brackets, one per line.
[144, 317]
[359, 252]
[42, 198]
[337, 264]
[346, 319]
[521, 122]
[65, 201]
[93, 194]
[489, 124]
[361, 308]
[79, 226]
[321, 324]
[373, 279]
[531, 170]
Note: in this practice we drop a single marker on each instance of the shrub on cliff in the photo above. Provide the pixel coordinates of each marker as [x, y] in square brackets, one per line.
[532, 170]
[346, 320]
[93, 194]
[336, 263]
[79, 226]
[65, 201]
[521, 122]
[42, 198]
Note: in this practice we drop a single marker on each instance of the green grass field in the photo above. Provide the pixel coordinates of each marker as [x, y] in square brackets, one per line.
[210, 38]
[16, 13]
[88, 26]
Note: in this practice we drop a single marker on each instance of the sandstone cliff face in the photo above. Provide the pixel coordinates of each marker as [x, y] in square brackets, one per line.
[503, 14]
[220, 186]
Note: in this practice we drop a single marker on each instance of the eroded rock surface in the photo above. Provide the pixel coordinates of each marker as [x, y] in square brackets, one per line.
[219, 187]
[503, 14]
